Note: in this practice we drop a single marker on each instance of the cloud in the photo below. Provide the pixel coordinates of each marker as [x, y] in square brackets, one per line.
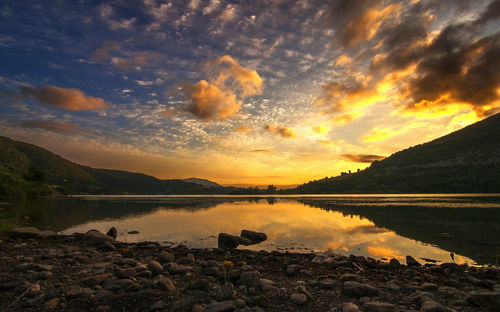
[327, 142]
[223, 94]
[282, 131]
[320, 129]
[169, 112]
[54, 126]
[343, 119]
[262, 151]
[243, 129]
[208, 102]
[135, 61]
[366, 229]
[362, 158]
[69, 99]
[103, 53]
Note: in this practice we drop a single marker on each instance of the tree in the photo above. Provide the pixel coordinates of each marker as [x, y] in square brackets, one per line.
[35, 174]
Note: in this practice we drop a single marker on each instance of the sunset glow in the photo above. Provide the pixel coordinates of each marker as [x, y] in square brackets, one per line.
[244, 93]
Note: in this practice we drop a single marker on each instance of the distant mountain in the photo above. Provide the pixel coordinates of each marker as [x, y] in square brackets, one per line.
[203, 182]
[465, 161]
[17, 159]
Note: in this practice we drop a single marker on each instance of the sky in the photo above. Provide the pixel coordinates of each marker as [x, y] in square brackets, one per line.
[244, 92]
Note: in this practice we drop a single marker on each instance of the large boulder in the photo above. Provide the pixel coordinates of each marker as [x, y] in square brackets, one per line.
[254, 237]
[112, 232]
[228, 241]
[25, 232]
[96, 237]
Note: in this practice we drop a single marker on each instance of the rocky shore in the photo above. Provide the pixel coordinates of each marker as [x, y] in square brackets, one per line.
[41, 271]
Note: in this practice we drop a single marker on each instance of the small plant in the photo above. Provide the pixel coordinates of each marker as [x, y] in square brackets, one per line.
[228, 265]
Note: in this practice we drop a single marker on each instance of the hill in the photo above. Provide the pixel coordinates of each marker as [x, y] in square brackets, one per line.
[18, 159]
[465, 161]
[203, 182]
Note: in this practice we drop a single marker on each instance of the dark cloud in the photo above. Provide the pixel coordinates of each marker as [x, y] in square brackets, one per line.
[262, 151]
[54, 126]
[70, 99]
[362, 158]
[282, 131]
[103, 53]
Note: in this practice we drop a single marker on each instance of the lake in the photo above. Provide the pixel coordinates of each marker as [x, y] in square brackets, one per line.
[379, 226]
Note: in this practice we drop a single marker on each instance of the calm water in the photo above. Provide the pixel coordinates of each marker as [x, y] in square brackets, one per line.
[378, 226]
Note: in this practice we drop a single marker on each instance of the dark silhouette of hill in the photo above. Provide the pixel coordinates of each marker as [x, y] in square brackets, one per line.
[465, 161]
[16, 159]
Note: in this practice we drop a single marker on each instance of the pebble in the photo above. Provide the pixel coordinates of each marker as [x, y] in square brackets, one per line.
[372, 306]
[298, 299]
[155, 267]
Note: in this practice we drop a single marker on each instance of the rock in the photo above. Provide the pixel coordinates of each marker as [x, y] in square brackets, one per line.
[370, 291]
[101, 295]
[166, 284]
[96, 237]
[428, 287]
[190, 258]
[228, 241]
[353, 289]
[124, 273]
[436, 269]
[349, 307]
[145, 274]
[328, 283]
[451, 267]
[112, 232]
[155, 267]
[117, 284]
[224, 306]
[51, 304]
[302, 289]
[95, 280]
[254, 237]
[487, 300]
[133, 232]
[166, 256]
[158, 305]
[201, 284]
[410, 261]
[24, 232]
[184, 305]
[394, 264]
[106, 246]
[226, 292]
[432, 306]
[298, 299]
[372, 306]
[249, 279]
[9, 285]
[46, 234]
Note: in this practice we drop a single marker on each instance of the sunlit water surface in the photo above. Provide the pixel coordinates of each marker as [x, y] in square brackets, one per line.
[378, 226]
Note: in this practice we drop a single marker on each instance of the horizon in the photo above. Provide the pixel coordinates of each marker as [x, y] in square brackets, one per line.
[244, 95]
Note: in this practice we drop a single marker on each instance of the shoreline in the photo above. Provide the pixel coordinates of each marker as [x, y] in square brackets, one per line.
[93, 272]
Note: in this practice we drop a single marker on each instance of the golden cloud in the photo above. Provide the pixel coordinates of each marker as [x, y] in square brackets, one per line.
[362, 158]
[282, 131]
[208, 102]
[343, 119]
[243, 129]
[54, 126]
[223, 94]
[262, 151]
[320, 129]
[70, 99]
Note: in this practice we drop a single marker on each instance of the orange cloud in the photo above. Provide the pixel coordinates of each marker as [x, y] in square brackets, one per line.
[243, 129]
[327, 142]
[383, 252]
[343, 60]
[70, 99]
[362, 158]
[343, 119]
[208, 102]
[262, 151]
[321, 129]
[138, 60]
[54, 126]
[223, 94]
[282, 131]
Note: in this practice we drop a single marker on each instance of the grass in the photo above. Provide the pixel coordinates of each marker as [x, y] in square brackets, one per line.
[4, 227]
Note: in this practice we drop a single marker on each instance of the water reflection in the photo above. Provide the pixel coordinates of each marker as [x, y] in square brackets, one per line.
[370, 226]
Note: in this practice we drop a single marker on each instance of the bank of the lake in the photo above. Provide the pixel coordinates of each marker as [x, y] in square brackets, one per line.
[93, 272]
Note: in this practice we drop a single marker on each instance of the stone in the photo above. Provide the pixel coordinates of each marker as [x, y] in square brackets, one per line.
[95, 280]
[328, 283]
[46, 234]
[370, 291]
[487, 300]
[201, 284]
[112, 232]
[298, 299]
[166, 256]
[133, 232]
[254, 237]
[410, 261]
[303, 289]
[451, 267]
[228, 241]
[428, 287]
[372, 306]
[184, 305]
[349, 307]
[190, 258]
[225, 292]
[96, 237]
[432, 306]
[117, 284]
[249, 279]
[223, 306]
[24, 232]
[436, 269]
[155, 267]
[51, 304]
[394, 264]
[158, 305]
[353, 289]
[124, 273]
[166, 284]
[144, 274]
[106, 246]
